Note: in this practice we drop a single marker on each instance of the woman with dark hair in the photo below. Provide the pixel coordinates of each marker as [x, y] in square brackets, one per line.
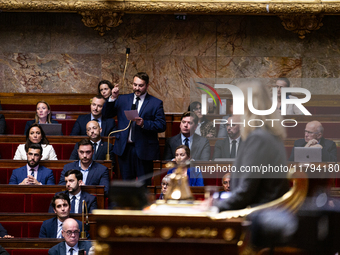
[106, 88]
[205, 128]
[35, 134]
[182, 156]
[43, 115]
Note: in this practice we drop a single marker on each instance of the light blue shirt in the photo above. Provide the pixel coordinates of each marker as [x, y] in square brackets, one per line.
[84, 172]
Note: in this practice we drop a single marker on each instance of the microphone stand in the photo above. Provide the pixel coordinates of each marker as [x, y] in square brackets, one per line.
[108, 139]
[84, 206]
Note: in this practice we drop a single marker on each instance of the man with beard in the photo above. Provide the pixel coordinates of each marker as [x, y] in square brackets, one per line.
[137, 146]
[33, 173]
[107, 125]
[93, 172]
[74, 179]
[51, 228]
[93, 131]
[228, 147]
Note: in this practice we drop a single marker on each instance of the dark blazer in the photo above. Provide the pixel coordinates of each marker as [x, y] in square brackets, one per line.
[152, 112]
[200, 148]
[3, 251]
[249, 188]
[329, 153]
[90, 200]
[222, 148]
[79, 127]
[49, 228]
[2, 124]
[98, 174]
[45, 175]
[3, 231]
[100, 154]
[60, 248]
[30, 122]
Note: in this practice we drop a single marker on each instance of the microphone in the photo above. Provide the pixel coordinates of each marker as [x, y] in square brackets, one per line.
[86, 227]
[127, 51]
[126, 62]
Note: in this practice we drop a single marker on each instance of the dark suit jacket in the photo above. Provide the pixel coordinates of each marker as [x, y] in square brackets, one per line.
[329, 153]
[60, 248]
[45, 175]
[222, 148]
[2, 124]
[79, 127]
[30, 122]
[3, 231]
[248, 188]
[146, 144]
[98, 174]
[49, 228]
[200, 148]
[100, 154]
[3, 251]
[90, 200]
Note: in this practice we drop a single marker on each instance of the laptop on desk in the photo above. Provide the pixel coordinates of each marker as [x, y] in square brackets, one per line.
[309, 154]
[51, 129]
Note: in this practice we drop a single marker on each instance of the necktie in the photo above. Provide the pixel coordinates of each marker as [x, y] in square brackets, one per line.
[59, 235]
[186, 142]
[71, 251]
[73, 204]
[133, 127]
[32, 172]
[94, 149]
[233, 149]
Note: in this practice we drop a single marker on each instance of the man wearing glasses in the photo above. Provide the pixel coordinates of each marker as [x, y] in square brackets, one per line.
[52, 228]
[314, 138]
[71, 245]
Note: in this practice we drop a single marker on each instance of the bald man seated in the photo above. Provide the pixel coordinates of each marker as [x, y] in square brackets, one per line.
[314, 138]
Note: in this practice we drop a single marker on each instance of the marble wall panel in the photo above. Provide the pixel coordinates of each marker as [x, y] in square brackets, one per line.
[255, 36]
[48, 73]
[74, 37]
[185, 38]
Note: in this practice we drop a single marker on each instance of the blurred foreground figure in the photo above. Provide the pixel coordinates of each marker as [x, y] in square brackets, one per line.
[261, 146]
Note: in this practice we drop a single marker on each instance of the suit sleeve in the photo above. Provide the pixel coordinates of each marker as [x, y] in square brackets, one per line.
[330, 154]
[50, 178]
[167, 151]
[3, 231]
[104, 180]
[62, 177]
[2, 124]
[93, 204]
[205, 155]
[217, 150]
[159, 123]
[13, 179]
[109, 109]
[43, 231]
[3, 251]
[76, 128]
[74, 154]
[112, 155]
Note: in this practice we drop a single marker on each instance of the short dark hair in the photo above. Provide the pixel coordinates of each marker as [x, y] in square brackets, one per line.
[104, 82]
[99, 96]
[85, 141]
[186, 148]
[143, 76]
[77, 174]
[35, 146]
[62, 196]
[190, 114]
[284, 79]
[193, 106]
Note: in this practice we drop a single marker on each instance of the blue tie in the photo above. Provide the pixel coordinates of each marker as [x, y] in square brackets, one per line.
[71, 251]
[94, 150]
[73, 204]
[233, 149]
[186, 142]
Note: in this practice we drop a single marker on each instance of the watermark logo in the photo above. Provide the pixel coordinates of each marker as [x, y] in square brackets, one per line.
[204, 97]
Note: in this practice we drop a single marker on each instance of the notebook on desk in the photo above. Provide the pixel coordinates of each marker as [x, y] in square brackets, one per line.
[52, 128]
[309, 154]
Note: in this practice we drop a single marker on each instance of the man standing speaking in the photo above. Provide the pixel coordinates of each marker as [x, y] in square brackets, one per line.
[137, 146]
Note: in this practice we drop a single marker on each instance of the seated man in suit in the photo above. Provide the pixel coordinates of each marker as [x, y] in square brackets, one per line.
[74, 179]
[199, 146]
[71, 245]
[93, 172]
[226, 182]
[107, 125]
[61, 206]
[33, 173]
[228, 147]
[314, 138]
[93, 131]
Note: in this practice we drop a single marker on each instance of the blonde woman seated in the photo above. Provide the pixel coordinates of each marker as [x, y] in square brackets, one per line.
[182, 155]
[165, 184]
[43, 115]
[35, 134]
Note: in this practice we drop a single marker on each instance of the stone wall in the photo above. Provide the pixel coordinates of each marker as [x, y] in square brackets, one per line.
[55, 52]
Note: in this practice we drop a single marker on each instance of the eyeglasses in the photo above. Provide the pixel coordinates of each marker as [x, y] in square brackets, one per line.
[196, 109]
[165, 184]
[69, 233]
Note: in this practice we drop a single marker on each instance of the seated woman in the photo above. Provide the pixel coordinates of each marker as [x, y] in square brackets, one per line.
[43, 115]
[106, 88]
[205, 128]
[182, 155]
[165, 184]
[35, 134]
